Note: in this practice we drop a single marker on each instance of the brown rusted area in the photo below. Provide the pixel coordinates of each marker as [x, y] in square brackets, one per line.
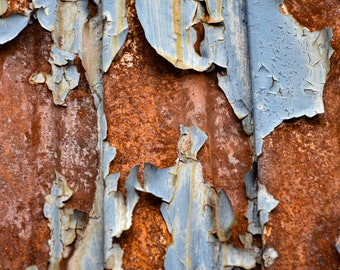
[199, 28]
[38, 138]
[145, 244]
[17, 7]
[316, 15]
[300, 167]
[146, 99]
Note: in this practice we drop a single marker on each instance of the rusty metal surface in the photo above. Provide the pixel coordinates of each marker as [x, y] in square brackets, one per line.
[146, 100]
[37, 139]
[300, 167]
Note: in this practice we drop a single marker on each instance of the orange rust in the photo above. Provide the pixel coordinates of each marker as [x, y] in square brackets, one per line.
[300, 167]
[17, 7]
[146, 242]
[199, 28]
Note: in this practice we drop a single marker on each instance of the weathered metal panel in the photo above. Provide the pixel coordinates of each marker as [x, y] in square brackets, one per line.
[145, 101]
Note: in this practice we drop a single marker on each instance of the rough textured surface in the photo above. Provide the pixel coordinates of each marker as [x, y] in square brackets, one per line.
[306, 154]
[38, 138]
[300, 167]
[17, 7]
[316, 15]
[147, 98]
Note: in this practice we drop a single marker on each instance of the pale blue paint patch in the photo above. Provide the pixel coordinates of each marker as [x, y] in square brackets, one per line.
[266, 203]
[11, 26]
[115, 29]
[46, 13]
[118, 212]
[60, 193]
[288, 64]
[169, 28]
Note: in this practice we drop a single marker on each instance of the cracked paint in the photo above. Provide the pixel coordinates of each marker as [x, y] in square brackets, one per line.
[288, 66]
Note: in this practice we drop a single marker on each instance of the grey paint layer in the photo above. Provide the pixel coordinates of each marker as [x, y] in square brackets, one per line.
[289, 65]
[235, 83]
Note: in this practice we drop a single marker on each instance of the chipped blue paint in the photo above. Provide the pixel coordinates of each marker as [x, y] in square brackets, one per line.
[109, 154]
[10, 27]
[266, 203]
[289, 65]
[60, 193]
[236, 83]
[117, 212]
[115, 30]
[163, 188]
[280, 77]
[254, 226]
[198, 218]
[46, 12]
[169, 28]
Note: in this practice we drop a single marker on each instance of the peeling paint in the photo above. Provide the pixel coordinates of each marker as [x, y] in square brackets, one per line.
[236, 83]
[288, 64]
[117, 212]
[199, 218]
[64, 223]
[266, 203]
[46, 13]
[269, 256]
[10, 27]
[169, 27]
[115, 30]
[265, 81]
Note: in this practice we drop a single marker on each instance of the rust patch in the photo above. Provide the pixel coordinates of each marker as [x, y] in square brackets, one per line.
[17, 7]
[199, 28]
[316, 15]
[300, 167]
[37, 139]
[146, 242]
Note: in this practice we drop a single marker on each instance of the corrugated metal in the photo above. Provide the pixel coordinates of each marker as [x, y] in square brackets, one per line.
[269, 68]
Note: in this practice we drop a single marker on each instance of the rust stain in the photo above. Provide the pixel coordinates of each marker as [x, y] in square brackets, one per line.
[176, 5]
[37, 139]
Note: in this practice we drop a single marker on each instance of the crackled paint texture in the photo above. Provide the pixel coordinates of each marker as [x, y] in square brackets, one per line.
[37, 139]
